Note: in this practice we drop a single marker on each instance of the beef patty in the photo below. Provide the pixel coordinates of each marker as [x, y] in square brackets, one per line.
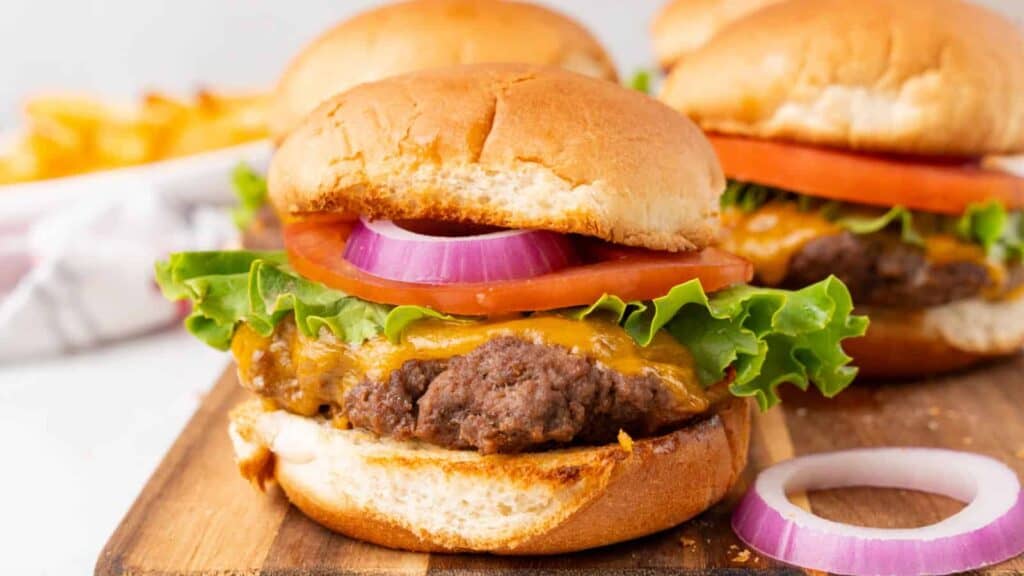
[509, 396]
[505, 395]
[883, 271]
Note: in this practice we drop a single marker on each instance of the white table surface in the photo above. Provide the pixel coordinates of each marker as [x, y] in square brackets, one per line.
[79, 437]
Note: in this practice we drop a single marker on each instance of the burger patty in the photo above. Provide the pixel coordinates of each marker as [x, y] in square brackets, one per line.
[883, 271]
[509, 396]
[505, 395]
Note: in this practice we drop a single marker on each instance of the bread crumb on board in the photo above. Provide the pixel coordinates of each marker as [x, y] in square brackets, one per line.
[739, 555]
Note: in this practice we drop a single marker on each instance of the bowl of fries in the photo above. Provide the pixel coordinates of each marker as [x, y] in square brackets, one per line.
[68, 135]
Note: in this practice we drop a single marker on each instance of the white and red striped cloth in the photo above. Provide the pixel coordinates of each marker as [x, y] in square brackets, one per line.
[77, 255]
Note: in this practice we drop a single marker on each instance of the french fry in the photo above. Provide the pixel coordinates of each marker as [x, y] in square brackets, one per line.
[67, 134]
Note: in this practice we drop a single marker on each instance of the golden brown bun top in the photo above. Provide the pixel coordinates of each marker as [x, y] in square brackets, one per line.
[930, 77]
[508, 145]
[682, 26]
[409, 36]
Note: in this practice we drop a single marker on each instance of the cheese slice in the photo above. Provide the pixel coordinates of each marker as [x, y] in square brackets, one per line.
[303, 373]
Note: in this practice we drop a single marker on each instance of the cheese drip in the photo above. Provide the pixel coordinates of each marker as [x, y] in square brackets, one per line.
[770, 236]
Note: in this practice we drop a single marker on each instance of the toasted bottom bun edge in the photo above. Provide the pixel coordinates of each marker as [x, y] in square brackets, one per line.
[910, 343]
[414, 496]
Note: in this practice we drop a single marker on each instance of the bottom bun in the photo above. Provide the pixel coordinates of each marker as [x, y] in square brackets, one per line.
[906, 344]
[423, 498]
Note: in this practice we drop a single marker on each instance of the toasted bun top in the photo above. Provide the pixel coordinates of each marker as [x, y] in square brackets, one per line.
[409, 36]
[930, 77]
[682, 26]
[508, 145]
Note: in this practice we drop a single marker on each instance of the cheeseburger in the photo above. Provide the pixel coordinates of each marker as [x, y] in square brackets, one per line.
[851, 134]
[497, 325]
[405, 37]
[423, 34]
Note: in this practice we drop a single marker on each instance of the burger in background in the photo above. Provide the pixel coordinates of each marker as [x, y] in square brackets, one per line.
[405, 37]
[497, 325]
[424, 34]
[852, 134]
[682, 26]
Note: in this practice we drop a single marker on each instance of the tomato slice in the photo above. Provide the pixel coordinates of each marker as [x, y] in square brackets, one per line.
[927, 185]
[315, 251]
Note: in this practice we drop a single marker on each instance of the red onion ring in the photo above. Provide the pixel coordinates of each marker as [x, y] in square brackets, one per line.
[387, 251]
[988, 530]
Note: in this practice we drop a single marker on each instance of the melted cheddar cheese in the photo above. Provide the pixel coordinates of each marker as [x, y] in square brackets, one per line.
[302, 373]
[946, 248]
[770, 236]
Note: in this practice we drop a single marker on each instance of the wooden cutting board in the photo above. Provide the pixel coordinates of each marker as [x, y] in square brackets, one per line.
[197, 516]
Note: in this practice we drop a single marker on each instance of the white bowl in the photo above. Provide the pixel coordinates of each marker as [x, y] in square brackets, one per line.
[200, 178]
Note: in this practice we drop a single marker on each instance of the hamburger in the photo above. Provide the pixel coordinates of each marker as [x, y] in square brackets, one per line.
[683, 26]
[497, 325]
[423, 34]
[404, 37]
[852, 135]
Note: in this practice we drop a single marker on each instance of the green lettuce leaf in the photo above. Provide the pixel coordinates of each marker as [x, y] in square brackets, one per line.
[401, 317]
[749, 197]
[641, 81]
[768, 336]
[863, 225]
[258, 288]
[251, 191]
[999, 232]
[608, 304]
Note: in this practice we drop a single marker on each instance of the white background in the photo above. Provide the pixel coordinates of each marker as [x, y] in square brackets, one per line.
[79, 436]
[118, 47]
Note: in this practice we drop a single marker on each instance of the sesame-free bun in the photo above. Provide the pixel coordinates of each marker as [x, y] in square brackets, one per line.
[923, 77]
[508, 145]
[682, 26]
[409, 36]
[423, 498]
[908, 343]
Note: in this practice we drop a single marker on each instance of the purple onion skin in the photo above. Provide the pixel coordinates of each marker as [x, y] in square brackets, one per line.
[459, 260]
[767, 532]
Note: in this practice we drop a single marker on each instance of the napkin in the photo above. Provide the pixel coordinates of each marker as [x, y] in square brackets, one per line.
[84, 276]
[76, 271]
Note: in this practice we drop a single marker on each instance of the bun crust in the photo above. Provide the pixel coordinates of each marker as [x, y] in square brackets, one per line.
[415, 497]
[683, 26]
[925, 77]
[507, 145]
[942, 339]
[427, 34]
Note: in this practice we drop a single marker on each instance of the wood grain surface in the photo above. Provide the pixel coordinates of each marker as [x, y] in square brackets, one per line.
[197, 516]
